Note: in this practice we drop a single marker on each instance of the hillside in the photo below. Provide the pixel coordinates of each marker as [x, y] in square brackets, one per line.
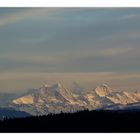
[10, 113]
[85, 121]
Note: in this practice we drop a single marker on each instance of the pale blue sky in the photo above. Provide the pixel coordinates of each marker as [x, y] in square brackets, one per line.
[59, 40]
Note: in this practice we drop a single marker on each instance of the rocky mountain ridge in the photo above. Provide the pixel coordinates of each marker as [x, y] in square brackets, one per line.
[56, 99]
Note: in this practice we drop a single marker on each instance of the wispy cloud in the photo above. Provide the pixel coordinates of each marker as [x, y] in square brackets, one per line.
[72, 60]
[24, 14]
[130, 17]
[34, 41]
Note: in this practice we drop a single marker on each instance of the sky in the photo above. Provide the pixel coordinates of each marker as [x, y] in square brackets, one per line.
[86, 45]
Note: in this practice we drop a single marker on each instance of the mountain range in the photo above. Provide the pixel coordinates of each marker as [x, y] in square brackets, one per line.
[54, 99]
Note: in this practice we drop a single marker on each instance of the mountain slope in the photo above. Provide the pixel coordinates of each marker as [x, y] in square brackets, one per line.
[48, 99]
[11, 113]
[56, 99]
[6, 98]
[103, 96]
[97, 97]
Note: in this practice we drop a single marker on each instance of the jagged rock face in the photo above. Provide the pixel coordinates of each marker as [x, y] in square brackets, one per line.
[97, 98]
[103, 90]
[124, 97]
[103, 96]
[24, 100]
[56, 99]
[49, 99]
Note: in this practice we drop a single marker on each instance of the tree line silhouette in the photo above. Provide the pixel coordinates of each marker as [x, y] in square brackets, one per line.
[84, 121]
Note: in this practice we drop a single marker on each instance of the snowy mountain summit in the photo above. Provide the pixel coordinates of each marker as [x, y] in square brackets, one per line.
[49, 99]
[57, 98]
[103, 90]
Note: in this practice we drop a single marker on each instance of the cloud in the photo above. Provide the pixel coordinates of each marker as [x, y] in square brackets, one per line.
[24, 14]
[130, 17]
[68, 40]
[60, 56]
[90, 59]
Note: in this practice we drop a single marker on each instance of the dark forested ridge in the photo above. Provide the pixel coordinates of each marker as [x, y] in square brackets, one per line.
[85, 121]
[11, 113]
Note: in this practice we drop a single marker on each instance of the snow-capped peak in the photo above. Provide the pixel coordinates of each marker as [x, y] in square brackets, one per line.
[57, 85]
[46, 85]
[103, 90]
[57, 98]
[104, 85]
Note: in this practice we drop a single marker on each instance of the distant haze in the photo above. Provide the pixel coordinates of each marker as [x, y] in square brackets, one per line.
[89, 46]
[21, 82]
